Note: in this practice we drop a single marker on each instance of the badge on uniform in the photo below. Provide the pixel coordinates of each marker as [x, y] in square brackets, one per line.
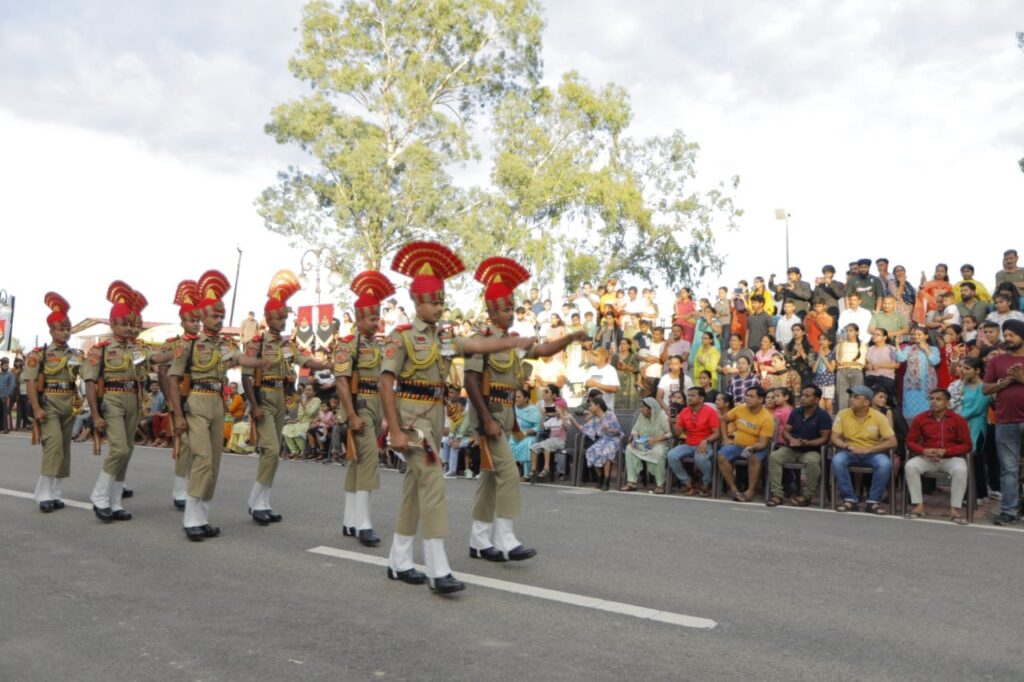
[179, 350]
[390, 351]
[420, 339]
[32, 361]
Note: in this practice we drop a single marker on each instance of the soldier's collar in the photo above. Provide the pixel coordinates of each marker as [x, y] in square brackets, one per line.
[422, 326]
[123, 340]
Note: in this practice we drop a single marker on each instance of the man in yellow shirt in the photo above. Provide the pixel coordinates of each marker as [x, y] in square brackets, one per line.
[862, 437]
[755, 427]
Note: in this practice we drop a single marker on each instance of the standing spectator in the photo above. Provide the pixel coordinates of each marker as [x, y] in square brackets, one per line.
[806, 430]
[651, 363]
[895, 323]
[603, 377]
[825, 372]
[249, 328]
[707, 357]
[919, 378]
[800, 357]
[627, 366]
[648, 443]
[759, 323]
[8, 388]
[677, 345]
[938, 438]
[755, 428]
[740, 313]
[609, 334]
[851, 358]
[706, 324]
[829, 290]
[862, 437]
[928, 293]
[972, 405]
[295, 430]
[970, 301]
[522, 326]
[1004, 378]
[765, 293]
[699, 426]
[967, 278]
[723, 314]
[818, 322]
[856, 315]
[1003, 311]
[1011, 273]
[797, 291]
[685, 313]
[950, 352]
[880, 370]
[650, 308]
[868, 287]
[784, 326]
[904, 293]
[888, 280]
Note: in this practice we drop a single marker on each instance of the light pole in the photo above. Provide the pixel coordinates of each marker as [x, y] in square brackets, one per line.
[782, 214]
[234, 293]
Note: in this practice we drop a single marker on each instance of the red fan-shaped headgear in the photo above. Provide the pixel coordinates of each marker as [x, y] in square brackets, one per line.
[371, 287]
[186, 296]
[283, 286]
[500, 276]
[123, 297]
[212, 286]
[58, 306]
[429, 264]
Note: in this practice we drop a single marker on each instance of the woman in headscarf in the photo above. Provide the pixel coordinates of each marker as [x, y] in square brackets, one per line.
[528, 420]
[648, 443]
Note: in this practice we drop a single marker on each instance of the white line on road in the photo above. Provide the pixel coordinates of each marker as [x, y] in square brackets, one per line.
[30, 496]
[641, 612]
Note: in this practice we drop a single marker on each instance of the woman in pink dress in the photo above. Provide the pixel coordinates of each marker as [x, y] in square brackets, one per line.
[685, 313]
[928, 293]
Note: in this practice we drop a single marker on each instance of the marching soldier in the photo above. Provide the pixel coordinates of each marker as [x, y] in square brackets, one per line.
[412, 394]
[197, 373]
[265, 389]
[138, 304]
[491, 383]
[113, 374]
[50, 376]
[185, 297]
[357, 361]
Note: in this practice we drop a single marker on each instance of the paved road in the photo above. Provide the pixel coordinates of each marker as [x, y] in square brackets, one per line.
[796, 594]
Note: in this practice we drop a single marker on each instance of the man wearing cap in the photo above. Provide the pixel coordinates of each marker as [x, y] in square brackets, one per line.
[869, 287]
[1004, 378]
[204, 360]
[186, 296]
[266, 400]
[862, 437]
[412, 394]
[53, 408]
[797, 291]
[357, 362]
[121, 365]
[491, 382]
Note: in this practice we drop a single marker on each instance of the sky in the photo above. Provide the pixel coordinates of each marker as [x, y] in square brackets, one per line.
[133, 143]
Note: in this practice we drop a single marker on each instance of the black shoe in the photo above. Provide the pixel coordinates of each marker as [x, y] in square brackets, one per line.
[104, 515]
[195, 533]
[210, 531]
[606, 485]
[368, 537]
[58, 504]
[179, 505]
[348, 531]
[46, 507]
[412, 576]
[127, 492]
[447, 584]
[273, 516]
[521, 553]
[1004, 519]
[121, 515]
[261, 517]
[491, 554]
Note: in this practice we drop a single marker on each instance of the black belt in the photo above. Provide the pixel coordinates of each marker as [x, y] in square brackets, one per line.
[368, 387]
[121, 385]
[427, 391]
[208, 386]
[59, 386]
[500, 394]
[272, 383]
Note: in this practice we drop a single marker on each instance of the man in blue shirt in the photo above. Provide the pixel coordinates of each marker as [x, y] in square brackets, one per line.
[7, 394]
[807, 429]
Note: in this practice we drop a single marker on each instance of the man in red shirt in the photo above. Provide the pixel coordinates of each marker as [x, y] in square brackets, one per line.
[698, 424]
[939, 439]
[1004, 377]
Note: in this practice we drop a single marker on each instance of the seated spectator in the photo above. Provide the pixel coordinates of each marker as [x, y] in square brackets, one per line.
[603, 377]
[295, 430]
[706, 381]
[938, 439]
[755, 428]
[763, 356]
[650, 361]
[967, 280]
[648, 443]
[880, 370]
[699, 427]
[556, 420]
[453, 443]
[1003, 311]
[602, 426]
[806, 430]
[727, 364]
[320, 432]
[528, 419]
[675, 344]
[781, 375]
[779, 402]
[742, 381]
[862, 437]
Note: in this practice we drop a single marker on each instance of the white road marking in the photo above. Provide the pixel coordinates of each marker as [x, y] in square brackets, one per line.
[584, 601]
[31, 496]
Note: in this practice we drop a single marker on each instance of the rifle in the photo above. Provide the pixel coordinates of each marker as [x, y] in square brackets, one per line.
[41, 398]
[350, 439]
[257, 381]
[101, 390]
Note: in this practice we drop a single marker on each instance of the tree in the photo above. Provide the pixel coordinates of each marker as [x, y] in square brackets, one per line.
[396, 86]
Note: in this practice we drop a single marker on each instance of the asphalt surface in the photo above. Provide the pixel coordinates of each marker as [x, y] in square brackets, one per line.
[796, 594]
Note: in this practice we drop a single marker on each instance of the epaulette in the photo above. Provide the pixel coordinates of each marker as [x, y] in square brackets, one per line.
[258, 337]
[403, 327]
[37, 349]
[104, 342]
[189, 337]
[171, 339]
[348, 338]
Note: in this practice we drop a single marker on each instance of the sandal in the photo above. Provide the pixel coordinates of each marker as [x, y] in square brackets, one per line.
[958, 519]
[659, 490]
[848, 506]
[800, 501]
[875, 508]
[544, 474]
[739, 497]
[915, 515]
[773, 501]
[630, 487]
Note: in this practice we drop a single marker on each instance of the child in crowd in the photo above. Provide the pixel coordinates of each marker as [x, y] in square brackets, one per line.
[825, 373]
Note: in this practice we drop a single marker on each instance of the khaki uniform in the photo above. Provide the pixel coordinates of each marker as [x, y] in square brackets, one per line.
[183, 465]
[364, 473]
[498, 490]
[57, 402]
[116, 362]
[413, 355]
[204, 407]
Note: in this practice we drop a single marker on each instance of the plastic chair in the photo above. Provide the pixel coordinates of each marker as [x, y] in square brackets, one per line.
[970, 499]
[893, 502]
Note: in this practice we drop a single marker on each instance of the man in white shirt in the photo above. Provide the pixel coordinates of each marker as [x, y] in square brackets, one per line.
[522, 325]
[784, 327]
[856, 315]
[603, 377]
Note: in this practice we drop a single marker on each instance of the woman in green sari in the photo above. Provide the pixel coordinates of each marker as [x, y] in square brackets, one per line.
[627, 364]
[648, 444]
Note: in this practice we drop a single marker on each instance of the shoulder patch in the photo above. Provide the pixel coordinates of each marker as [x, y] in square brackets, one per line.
[37, 349]
[390, 351]
[348, 338]
[258, 337]
[104, 342]
[32, 360]
[403, 327]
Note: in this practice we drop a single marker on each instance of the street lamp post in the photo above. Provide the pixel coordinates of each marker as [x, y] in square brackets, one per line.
[782, 214]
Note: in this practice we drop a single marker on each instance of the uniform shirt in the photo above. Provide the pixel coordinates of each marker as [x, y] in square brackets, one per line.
[698, 426]
[505, 371]
[367, 358]
[117, 360]
[211, 355]
[864, 433]
[271, 347]
[751, 427]
[54, 365]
